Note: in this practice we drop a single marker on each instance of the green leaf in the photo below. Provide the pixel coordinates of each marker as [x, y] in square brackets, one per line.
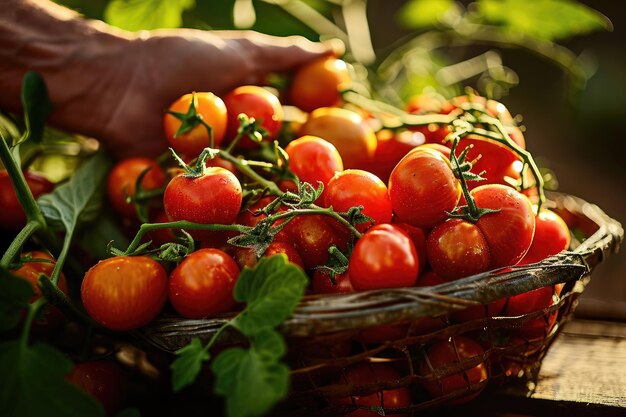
[252, 380]
[14, 296]
[36, 104]
[543, 19]
[77, 198]
[146, 14]
[272, 289]
[417, 14]
[187, 366]
[32, 384]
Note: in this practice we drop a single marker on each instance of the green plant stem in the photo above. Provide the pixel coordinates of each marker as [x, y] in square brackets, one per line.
[56, 272]
[32, 310]
[234, 143]
[320, 210]
[244, 167]
[19, 241]
[471, 204]
[57, 298]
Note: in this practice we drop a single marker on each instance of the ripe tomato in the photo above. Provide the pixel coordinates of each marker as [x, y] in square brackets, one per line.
[246, 256]
[203, 284]
[212, 110]
[457, 248]
[323, 285]
[318, 83]
[368, 374]
[422, 188]
[123, 177]
[313, 160]
[102, 380]
[345, 129]
[353, 187]
[213, 198]
[124, 292]
[13, 217]
[418, 237]
[258, 103]
[446, 353]
[383, 258]
[551, 237]
[312, 236]
[510, 231]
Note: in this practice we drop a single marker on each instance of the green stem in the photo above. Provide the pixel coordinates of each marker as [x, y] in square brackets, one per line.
[61, 259]
[244, 167]
[57, 298]
[320, 210]
[30, 316]
[471, 204]
[19, 241]
[234, 143]
[217, 335]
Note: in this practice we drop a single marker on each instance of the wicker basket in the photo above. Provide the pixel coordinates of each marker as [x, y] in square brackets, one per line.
[328, 334]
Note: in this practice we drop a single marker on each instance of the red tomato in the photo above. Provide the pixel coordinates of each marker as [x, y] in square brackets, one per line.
[353, 187]
[446, 353]
[253, 215]
[313, 160]
[124, 292]
[551, 237]
[102, 380]
[258, 103]
[323, 285]
[537, 329]
[368, 374]
[312, 236]
[354, 139]
[219, 162]
[530, 301]
[246, 256]
[457, 248]
[203, 284]
[318, 83]
[123, 177]
[510, 231]
[423, 189]
[418, 237]
[383, 258]
[212, 110]
[13, 217]
[430, 104]
[213, 198]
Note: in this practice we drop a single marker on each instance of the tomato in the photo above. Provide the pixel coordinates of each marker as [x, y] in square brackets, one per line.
[213, 112]
[537, 329]
[531, 301]
[246, 256]
[102, 380]
[362, 374]
[384, 257]
[203, 284]
[446, 353]
[13, 217]
[123, 178]
[510, 231]
[418, 237]
[352, 188]
[258, 103]
[312, 236]
[219, 162]
[551, 237]
[52, 318]
[313, 160]
[423, 189]
[323, 285]
[212, 198]
[457, 248]
[318, 83]
[124, 292]
[253, 215]
[345, 129]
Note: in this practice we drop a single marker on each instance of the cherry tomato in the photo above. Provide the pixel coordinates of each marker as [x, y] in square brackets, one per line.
[423, 189]
[322, 283]
[345, 129]
[551, 237]
[213, 112]
[457, 248]
[102, 380]
[13, 217]
[537, 329]
[312, 236]
[430, 103]
[446, 353]
[531, 301]
[318, 83]
[124, 292]
[368, 374]
[418, 237]
[246, 256]
[510, 231]
[352, 188]
[213, 198]
[258, 103]
[203, 284]
[253, 215]
[123, 178]
[384, 257]
[313, 160]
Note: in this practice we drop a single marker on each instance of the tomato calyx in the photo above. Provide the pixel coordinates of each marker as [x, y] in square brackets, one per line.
[337, 263]
[250, 128]
[191, 119]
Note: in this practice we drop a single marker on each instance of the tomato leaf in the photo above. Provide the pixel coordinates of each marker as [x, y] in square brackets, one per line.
[36, 105]
[543, 19]
[252, 380]
[146, 14]
[187, 366]
[271, 290]
[32, 384]
[417, 14]
[14, 295]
